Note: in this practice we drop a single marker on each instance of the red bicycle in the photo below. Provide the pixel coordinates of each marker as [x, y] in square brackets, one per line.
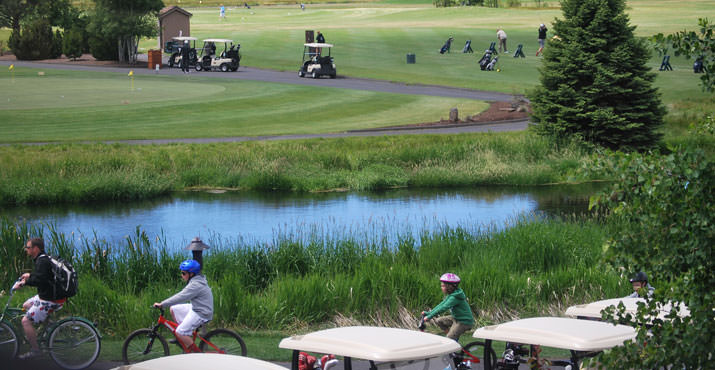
[463, 360]
[141, 345]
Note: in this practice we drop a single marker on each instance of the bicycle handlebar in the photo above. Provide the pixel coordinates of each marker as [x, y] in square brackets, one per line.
[422, 325]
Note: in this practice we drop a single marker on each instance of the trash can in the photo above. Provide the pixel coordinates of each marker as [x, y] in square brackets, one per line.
[410, 58]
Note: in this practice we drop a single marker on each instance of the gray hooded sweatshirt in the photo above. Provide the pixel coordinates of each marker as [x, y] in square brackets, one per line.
[198, 292]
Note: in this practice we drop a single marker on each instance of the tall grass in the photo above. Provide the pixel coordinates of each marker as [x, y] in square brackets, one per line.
[535, 267]
[87, 173]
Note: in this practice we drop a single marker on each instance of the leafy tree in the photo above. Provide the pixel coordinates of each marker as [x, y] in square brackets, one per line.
[14, 12]
[694, 45]
[72, 43]
[125, 21]
[595, 83]
[661, 208]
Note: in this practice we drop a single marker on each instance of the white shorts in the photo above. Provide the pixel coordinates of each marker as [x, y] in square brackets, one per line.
[40, 308]
[186, 317]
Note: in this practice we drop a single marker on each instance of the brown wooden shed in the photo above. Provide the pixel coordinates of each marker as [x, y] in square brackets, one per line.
[173, 21]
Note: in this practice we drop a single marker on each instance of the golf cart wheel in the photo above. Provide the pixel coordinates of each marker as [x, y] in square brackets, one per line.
[197, 67]
[314, 75]
[333, 75]
[224, 67]
[301, 73]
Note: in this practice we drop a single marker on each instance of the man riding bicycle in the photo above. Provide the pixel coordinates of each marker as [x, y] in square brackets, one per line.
[190, 316]
[455, 300]
[47, 300]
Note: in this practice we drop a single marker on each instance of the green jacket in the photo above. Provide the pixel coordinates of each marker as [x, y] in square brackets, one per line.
[457, 302]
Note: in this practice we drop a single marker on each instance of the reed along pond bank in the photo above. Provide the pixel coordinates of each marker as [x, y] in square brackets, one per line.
[82, 173]
[537, 266]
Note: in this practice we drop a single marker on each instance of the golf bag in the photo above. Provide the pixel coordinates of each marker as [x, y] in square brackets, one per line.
[519, 52]
[698, 66]
[486, 58]
[492, 64]
[665, 65]
[468, 47]
[446, 46]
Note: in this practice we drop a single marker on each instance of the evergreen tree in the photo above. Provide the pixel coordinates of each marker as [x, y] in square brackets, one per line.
[594, 80]
[72, 43]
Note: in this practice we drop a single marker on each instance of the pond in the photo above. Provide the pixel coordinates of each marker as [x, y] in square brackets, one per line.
[251, 217]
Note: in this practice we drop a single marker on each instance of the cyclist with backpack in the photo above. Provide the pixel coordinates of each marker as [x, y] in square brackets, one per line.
[190, 316]
[48, 299]
[455, 300]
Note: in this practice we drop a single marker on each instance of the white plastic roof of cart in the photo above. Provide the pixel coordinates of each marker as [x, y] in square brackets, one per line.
[318, 45]
[373, 343]
[217, 40]
[182, 38]
[195, 361]
[593, 309]
[559, 332]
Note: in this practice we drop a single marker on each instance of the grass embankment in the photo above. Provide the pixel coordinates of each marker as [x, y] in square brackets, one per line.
[85, 173]
[535, 267]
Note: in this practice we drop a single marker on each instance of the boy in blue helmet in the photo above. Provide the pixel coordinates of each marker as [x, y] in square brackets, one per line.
[190, 316]
[455, 300]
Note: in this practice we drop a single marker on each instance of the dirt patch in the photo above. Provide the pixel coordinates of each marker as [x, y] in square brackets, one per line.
[498, 111]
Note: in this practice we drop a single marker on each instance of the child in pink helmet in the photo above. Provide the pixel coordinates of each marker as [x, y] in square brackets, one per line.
[455, 300]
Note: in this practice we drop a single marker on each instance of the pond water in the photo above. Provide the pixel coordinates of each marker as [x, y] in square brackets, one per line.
[251, 217]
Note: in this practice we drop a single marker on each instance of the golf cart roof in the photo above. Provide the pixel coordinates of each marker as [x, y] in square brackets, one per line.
[184, 38]
[373, 343]
[559, 332]
[318, 45]
[593, 309]
[217, 40]
[193, 361]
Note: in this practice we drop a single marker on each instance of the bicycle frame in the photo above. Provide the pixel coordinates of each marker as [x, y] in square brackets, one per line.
[422, 325]
[162, 321]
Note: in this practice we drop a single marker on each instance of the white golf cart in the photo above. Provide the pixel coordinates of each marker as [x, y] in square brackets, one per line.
[175, 50]
[193, 361]
[315, 61]
[592, 311]
[381, 348]
[228, 58]
[583, 338]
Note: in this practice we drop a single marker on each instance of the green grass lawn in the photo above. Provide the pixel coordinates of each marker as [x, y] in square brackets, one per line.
[371, 40]
[69, 106]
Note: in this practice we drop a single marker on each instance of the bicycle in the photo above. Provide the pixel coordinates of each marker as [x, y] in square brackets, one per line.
[466, 358]
[140, 345]
[72, 342]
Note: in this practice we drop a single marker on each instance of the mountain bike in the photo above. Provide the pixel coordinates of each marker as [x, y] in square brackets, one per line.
[145, 344]
[463, 360]
[72, 342]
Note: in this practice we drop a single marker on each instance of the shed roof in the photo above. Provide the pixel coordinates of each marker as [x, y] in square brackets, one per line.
[171, 9]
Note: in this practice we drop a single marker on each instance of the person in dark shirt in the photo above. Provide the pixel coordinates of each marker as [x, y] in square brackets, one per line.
[542, 38]
[320, 38]
[46, 301]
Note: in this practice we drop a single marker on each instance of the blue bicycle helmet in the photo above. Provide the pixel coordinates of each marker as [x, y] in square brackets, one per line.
[191, 266]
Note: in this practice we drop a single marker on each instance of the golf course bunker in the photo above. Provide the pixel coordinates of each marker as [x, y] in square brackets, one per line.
[64, 92]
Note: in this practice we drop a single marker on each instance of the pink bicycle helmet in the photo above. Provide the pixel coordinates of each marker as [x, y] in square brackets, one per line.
[450, 278]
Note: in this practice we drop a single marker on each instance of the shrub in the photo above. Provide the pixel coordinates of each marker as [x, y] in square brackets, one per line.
[35, 41]
[72, 44]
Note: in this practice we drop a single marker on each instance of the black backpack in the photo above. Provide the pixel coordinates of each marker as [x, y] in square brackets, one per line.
[65, 277]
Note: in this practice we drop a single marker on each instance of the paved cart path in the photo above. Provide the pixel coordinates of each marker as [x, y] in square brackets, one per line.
[255, 74]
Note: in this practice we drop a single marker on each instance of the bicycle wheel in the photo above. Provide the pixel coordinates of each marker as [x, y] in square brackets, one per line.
[74, 344]
[223, 341]
[477, 349]
[141, 345]
[8, 342]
